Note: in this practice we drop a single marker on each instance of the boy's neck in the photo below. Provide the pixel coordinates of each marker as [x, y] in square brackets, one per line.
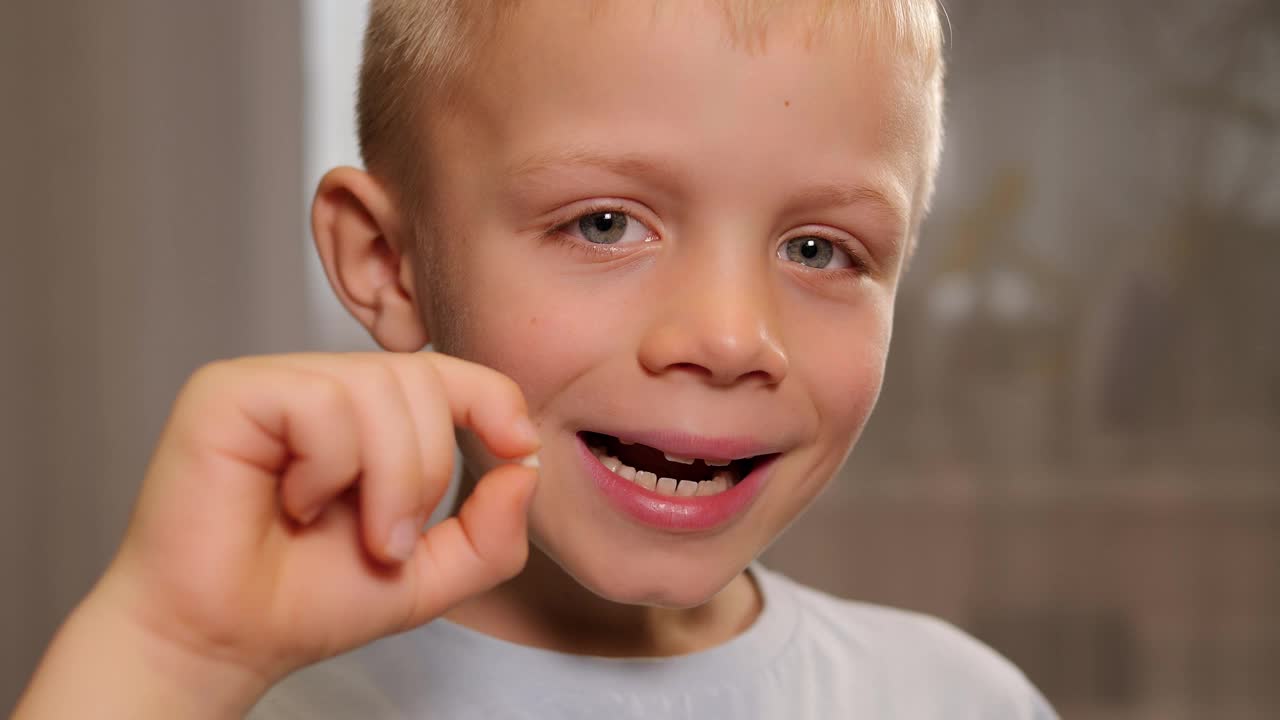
[544, 607]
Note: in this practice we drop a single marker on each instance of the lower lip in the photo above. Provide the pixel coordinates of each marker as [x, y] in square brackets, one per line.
[688, 513]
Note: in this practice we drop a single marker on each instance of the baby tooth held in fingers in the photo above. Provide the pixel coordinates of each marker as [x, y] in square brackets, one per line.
[530, 461]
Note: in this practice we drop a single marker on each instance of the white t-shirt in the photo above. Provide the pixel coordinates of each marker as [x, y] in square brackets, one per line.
[808, 655]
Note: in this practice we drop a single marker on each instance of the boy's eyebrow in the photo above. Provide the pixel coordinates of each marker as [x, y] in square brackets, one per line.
[841, 195]
[618, 163]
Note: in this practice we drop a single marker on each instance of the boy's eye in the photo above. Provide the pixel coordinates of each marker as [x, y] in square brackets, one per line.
[610, 227]
[605, 227]
[815, 252]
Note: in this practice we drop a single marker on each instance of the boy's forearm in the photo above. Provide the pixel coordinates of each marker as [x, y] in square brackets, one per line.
[100, 666]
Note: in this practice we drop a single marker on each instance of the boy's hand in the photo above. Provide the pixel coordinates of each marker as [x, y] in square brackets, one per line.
[280, 519]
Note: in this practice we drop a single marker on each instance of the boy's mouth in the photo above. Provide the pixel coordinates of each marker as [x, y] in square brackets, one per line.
[666, 473]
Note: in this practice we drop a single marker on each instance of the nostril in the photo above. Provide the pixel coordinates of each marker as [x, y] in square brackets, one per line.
[763, 376]
[693, 368]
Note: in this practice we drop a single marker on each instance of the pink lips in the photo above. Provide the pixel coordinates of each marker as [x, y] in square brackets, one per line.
[689, 514]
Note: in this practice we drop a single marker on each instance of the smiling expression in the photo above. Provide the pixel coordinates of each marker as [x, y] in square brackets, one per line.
[668, 239]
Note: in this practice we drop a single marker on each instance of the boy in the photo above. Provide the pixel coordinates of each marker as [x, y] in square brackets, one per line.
[656, 243]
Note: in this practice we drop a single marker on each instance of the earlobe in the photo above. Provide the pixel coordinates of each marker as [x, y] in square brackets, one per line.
[358, 233]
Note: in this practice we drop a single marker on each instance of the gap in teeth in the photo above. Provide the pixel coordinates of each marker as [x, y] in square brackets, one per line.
[721, 481]
[689, 461]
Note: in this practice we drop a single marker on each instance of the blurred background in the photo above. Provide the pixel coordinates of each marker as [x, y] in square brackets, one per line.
[1076, 456]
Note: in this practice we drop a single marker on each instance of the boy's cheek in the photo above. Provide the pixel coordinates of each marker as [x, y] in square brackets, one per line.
[843, 381]
[539, 339]
[840, 356]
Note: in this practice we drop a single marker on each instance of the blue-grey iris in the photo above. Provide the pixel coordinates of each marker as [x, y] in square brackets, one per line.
[603, 228]
[814, 252]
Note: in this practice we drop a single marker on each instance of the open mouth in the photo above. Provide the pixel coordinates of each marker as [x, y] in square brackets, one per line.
[666, 474]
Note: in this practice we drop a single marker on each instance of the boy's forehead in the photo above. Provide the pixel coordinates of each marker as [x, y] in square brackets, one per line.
[905, 29]
[655, 88]
[907, 24]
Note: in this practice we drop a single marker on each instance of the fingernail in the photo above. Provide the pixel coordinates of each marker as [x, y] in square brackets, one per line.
[527, 432]
[404, 538]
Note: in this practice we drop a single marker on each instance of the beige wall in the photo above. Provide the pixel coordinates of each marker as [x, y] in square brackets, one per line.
[152, 221]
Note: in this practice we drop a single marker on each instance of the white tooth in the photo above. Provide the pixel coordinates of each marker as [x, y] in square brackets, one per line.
[625, 442]
[727, 477]
[686, 488]
[715, 486]
[717, 463]
[646, 480]
[666, 486]
[611, 462]
[627, 472]
[677, 458]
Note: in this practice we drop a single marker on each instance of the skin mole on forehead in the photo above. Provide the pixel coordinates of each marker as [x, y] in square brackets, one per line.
[786, 103]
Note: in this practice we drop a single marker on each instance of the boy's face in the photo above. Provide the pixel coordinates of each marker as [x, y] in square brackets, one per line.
[744, 308]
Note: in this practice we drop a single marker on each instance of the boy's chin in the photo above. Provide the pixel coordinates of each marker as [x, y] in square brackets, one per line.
[653, 582]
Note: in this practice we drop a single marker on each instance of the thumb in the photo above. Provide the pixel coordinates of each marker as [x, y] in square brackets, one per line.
[484, 544]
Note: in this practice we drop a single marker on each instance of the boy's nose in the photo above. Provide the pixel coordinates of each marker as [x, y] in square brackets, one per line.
[722, 327]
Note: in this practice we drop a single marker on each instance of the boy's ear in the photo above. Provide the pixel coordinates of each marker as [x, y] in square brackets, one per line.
[359, 234]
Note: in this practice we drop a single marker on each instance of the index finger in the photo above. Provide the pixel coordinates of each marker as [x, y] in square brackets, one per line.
[489, 404]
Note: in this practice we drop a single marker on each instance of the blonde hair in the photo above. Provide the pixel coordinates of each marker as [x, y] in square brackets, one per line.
[415, 53]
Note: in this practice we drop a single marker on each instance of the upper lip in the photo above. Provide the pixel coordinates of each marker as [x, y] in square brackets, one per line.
[704, 447]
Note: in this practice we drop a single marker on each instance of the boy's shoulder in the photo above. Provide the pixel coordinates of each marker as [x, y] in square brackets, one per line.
[910, 654]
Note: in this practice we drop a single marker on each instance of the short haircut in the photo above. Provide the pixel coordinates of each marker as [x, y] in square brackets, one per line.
[416, 53]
